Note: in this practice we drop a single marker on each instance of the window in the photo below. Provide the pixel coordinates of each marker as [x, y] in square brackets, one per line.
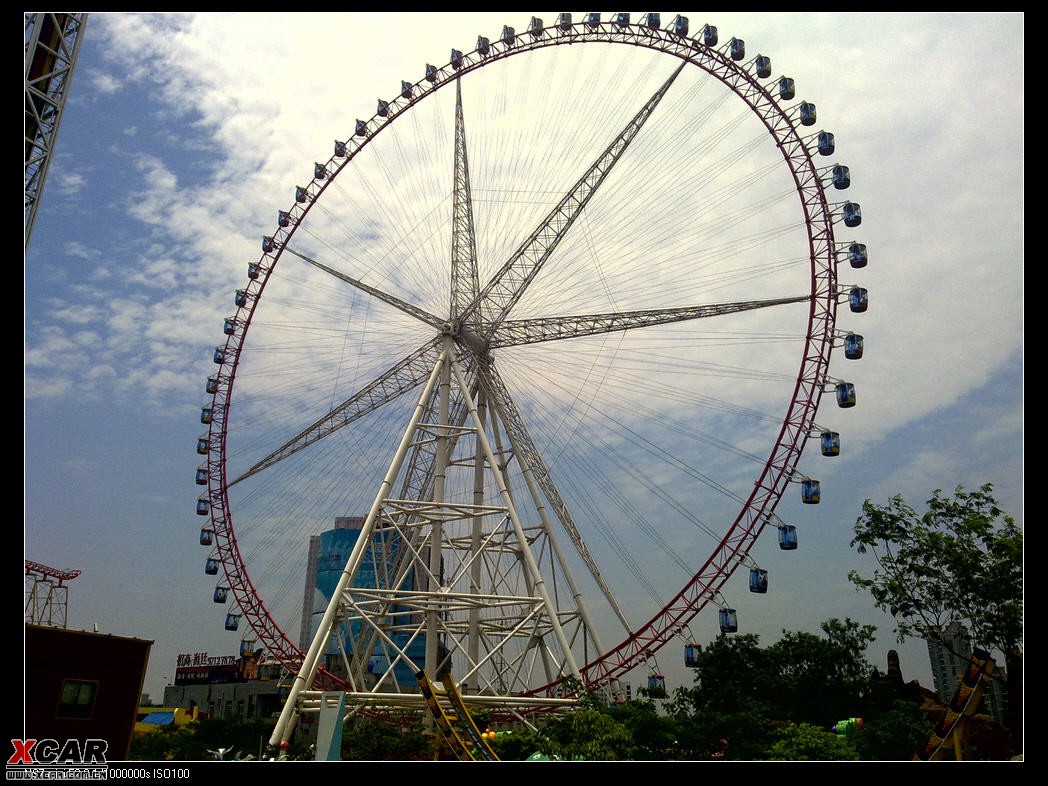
[78, 699]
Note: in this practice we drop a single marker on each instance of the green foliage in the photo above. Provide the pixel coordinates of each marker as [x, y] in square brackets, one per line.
[195, 741]
[745, 694]
[819, 676]
[589, 735]
[373, 739]
[805, 742]
[892, 733]
[652, 734]
[802, 677]
[518, 745]
[961, 561]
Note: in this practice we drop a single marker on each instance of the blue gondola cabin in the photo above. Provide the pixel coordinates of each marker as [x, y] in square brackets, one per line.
[221, 594]
[762, 65]
[340, 149]
[203, 446]
[206, 537]
[201, 476]
[787, 537]
[853, 346]
[692, 655]
[232, 621]
[857, 255]
[807, 113]
[729, 622]
[211, 566]
[758, 580]
[826, 143]
[811, 492]
[841, 177]
[830, 442]
[656, 686]
[845, 395]
[680, 25]
[709, 35]
[202, 507]
[858, 299]
[787, 88]
[737, 47]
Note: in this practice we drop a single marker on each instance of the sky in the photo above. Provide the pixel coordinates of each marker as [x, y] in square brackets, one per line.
[184, 135]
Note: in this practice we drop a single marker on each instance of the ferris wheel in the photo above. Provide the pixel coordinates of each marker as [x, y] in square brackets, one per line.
[547, 333]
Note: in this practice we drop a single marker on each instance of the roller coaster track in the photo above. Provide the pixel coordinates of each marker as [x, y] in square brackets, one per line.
[454, 720]
[950, 730]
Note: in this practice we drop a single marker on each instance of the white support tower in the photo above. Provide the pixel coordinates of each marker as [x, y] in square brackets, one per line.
[435, 583]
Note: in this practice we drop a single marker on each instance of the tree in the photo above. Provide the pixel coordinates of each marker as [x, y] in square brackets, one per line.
[805, 742]
[748, 695]
[589, 735]
[195, 741]
[823, 676]
[960, 562]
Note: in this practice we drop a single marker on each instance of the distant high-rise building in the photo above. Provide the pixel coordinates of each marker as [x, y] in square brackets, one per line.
[949, 661]
[313, 602]
[326, 560]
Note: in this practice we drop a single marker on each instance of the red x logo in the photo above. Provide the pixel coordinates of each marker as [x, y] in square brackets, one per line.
[22, 754]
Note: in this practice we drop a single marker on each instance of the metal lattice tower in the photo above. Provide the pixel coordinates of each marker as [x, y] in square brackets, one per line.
[47, 596]
[52, 43]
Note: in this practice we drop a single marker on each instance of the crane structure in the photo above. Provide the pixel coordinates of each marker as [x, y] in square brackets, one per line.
[47, 594]
[52, 44]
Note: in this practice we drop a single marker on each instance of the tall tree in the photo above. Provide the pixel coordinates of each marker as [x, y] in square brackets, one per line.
[755, 697]
[959, 562]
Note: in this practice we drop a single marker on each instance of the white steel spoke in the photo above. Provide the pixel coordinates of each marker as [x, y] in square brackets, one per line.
[465, 282]
[406, 375]
[394, 301]
[508, 285]
[532, 331]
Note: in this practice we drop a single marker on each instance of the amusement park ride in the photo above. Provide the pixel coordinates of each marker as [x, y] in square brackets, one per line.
[448, 338]
[47, 594]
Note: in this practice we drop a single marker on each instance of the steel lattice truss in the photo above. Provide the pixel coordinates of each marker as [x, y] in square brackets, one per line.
[52, 44]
